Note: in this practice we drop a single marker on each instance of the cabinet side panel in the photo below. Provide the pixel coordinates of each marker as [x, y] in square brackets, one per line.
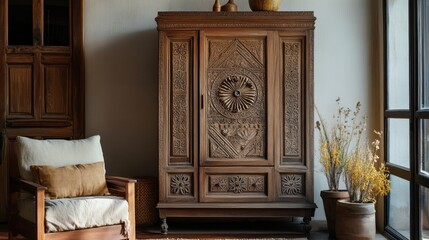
[178, 101]
[180, 94]
[294, 177]
[293, 55]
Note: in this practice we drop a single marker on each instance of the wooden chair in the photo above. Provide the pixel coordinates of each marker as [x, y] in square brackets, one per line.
[117, 186]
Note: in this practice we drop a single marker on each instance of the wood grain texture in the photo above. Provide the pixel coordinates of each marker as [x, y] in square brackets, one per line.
[41, 87]
[254, 153]
[219, 20]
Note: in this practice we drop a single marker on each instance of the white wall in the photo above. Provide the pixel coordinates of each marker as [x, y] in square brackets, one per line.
[121, 72]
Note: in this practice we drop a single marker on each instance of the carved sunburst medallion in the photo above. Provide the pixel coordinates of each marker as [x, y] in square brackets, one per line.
[237, 93]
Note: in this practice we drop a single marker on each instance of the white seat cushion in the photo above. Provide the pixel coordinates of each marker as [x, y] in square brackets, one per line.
[82, 212]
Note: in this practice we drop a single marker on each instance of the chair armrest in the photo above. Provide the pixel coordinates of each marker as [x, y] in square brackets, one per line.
[120, 185]
[119, 180]
[35, 189]
[31, 187]
[125, 187]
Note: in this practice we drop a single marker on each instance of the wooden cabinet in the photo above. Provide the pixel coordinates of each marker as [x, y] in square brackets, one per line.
[236, 114]
[41, 76]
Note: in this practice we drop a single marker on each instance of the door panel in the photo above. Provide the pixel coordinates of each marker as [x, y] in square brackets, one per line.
[56, 91]
[20, 91]
[236, 184]
[235, 113]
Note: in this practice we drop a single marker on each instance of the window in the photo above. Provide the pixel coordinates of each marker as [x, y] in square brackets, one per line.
[28, 20]
[406, 117]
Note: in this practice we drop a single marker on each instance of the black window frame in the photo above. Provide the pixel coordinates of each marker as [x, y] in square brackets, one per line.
[415, 115]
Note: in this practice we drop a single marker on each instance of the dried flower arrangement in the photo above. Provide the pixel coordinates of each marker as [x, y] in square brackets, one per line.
[334, 143]
[342, 151]
[363, 180]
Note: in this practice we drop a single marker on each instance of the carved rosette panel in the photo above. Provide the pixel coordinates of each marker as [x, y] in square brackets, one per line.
[237, 184]
[180, 91]
[292, 184]
[181, 184]
[292, 101]
[237, 93]
[236, 113]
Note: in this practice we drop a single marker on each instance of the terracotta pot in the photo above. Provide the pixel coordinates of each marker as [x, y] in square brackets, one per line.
[264, 5]
[355, 220]
[330, 199]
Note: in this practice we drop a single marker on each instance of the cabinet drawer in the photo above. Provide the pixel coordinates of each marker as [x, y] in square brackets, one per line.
[236, 184]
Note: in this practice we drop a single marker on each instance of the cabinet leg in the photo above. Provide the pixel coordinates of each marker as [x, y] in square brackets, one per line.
[164, 226]
[12, 236]
[307, 226]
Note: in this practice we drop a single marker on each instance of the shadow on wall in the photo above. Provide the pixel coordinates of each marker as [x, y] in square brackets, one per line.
[122, 102]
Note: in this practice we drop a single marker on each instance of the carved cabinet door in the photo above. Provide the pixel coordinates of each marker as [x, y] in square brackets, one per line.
[236, 89]
[236, 116]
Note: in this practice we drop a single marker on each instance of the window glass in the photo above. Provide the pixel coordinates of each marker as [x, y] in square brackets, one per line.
[56, 23]
[399, 205]
[424, 202]
[424, 53]
[397, 54]
[20, 22]
[398, 140]
[424, 141]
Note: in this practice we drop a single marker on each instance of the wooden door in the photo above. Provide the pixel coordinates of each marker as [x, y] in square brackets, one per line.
[41, 75]
[236, 116]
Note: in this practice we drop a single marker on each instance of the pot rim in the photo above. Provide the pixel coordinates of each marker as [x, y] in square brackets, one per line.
[342, 193]
[356, 208]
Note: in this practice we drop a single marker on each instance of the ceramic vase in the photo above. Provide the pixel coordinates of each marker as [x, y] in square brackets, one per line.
[216, 6]
[330, 199]
[230, 6]
[264, 5]
[355, 221]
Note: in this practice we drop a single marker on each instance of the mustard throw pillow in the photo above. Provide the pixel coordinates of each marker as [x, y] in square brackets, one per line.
[72, 181]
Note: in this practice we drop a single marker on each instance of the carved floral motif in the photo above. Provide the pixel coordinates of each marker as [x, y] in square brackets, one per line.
[180, 184]
[238, 184]
[292, 107]
[237, 93]
[218, 184]
[180, 105]
[256, 184]
[291, 184]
